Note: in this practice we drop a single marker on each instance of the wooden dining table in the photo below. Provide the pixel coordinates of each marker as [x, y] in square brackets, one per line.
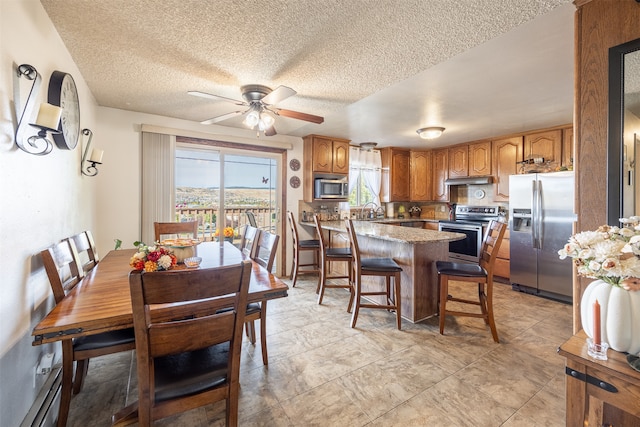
[102, 301]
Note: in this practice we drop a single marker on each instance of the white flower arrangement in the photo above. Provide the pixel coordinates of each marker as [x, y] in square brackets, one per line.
[611, 254]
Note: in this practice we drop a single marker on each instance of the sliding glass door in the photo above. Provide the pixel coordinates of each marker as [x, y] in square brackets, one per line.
[217, 186]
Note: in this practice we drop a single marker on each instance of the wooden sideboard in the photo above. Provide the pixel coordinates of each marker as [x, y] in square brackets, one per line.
[599, 392]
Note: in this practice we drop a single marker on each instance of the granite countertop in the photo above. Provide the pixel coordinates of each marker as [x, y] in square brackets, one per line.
[393, 233]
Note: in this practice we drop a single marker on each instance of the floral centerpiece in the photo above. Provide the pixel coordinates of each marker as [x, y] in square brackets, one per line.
[609, 309]
[152, 258]
[609, 253]
[228, 232]
[415, 210]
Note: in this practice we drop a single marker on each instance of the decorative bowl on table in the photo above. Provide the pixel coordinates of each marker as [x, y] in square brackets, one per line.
[181, 248]
[192, 262]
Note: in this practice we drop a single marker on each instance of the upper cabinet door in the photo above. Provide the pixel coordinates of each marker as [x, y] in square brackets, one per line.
[440, 175]
[420, 172]
[507, 153]
[547, 145]
[459, 161]
[341, 157]
[322, 155]
[480, 159]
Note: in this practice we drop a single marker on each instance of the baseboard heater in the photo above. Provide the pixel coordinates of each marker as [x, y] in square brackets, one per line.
[43, 412]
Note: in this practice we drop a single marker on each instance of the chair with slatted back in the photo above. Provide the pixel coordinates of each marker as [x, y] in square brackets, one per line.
[481, 274]
[177, 229]
[189, 340]
[86, 249]
[64, 275]
[327, 256]
[264, 255]
[385, 267]
[249, 241]
[300, 246]
[251, 218]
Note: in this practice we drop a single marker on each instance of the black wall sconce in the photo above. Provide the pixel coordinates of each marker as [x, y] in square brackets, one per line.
[47, 120]
[95, 159]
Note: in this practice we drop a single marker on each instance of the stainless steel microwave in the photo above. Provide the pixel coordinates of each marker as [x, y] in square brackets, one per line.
[330, 188]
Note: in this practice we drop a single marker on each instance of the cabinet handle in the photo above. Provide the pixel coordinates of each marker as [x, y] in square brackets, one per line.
[591, 380]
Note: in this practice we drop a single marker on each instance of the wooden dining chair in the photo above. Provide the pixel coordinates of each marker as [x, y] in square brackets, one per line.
[249, 241]
[481, 274]
[329, 255]
[189, 341]
[300, 246]
[385, 267]
[175, 228]
[64, 273]
[264, 255]
[251, 218]
[86, 250]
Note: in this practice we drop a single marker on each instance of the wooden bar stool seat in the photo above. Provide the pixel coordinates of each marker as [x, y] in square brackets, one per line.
[481, 274]
[385, 267]
[299, 247]
[327, 256]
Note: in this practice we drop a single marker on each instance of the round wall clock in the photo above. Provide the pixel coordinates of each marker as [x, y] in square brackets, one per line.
[63, 93]
[294, 182]
[294, 164]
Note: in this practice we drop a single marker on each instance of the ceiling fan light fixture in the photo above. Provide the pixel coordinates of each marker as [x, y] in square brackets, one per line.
[252, 119]
[368, 146]
[267, 119]
[431, 132]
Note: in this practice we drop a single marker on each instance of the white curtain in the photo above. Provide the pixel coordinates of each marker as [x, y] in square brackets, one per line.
[158, 197]
[354, 167]
[372, 172]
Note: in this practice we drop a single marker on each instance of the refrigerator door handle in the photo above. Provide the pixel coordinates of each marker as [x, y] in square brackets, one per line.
[538, 214]
[534, 204]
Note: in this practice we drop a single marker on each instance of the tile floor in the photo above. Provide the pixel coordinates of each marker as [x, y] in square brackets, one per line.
[323, 373]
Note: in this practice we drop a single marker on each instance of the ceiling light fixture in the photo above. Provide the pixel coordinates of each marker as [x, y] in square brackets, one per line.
[259, 117]
[368, 146]
[431, 132]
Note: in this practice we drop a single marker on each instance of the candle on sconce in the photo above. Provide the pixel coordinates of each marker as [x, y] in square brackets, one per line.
[96, 155]
[48, 116]
[596, 323]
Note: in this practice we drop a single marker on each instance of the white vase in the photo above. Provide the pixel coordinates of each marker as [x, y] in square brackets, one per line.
[619, 315]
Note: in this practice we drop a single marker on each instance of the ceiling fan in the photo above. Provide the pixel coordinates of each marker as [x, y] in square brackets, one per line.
[259, 101]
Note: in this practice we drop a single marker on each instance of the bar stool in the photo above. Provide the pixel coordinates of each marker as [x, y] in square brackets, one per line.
[300, 246]
[385, 267]
[327, 256]
[481, 274]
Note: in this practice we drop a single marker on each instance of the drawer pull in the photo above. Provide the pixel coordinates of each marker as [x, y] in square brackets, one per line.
[591, 380]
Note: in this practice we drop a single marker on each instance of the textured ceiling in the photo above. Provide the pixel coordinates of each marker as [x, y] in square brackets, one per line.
[377, 70]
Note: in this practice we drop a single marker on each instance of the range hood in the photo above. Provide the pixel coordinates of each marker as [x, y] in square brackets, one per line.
[470, 180]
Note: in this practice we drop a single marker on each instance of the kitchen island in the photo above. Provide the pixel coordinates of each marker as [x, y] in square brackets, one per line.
[414, 249]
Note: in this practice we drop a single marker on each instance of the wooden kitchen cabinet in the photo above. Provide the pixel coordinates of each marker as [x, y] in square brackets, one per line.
[505, 158]
[420, 172]
[480, 158]
[440, 175]
[547, 144]
[395, 175]
[323, 154]
[459, 161]
[567, 147]
[502, 267]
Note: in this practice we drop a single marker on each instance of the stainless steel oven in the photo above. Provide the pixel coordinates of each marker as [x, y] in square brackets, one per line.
[470, 221]
[467, 249]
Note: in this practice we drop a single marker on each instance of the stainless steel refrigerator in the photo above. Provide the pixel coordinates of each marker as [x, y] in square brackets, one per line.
[541, 218]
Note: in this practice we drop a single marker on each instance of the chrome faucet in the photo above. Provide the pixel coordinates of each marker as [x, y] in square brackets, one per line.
[372, 211]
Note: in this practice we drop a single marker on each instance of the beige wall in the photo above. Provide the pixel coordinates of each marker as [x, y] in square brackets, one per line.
[45, 198]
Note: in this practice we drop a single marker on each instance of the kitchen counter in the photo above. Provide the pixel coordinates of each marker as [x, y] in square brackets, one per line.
[383, 230]
[414, 249]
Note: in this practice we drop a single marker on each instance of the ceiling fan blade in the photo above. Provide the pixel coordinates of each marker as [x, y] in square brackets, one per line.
[270, 131]
[222, 117]
[298, 115]
[215, 97]
[278, 94]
